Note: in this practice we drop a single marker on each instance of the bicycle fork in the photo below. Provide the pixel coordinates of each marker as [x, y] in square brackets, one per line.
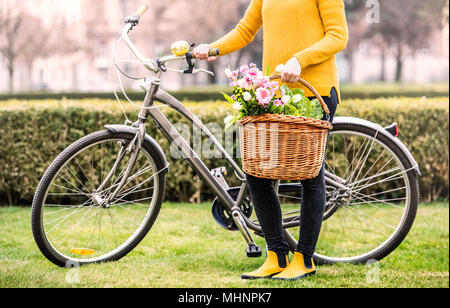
[133, 147]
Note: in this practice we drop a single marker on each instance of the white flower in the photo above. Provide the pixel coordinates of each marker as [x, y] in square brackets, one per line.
[247, 96]
[228, 73]
[237, 106]
[244, 84]
[297, 98]
[286, 99]
[280, 68]
[228, 120]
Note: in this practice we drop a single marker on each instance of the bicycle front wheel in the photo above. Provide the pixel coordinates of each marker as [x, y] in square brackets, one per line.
[70, 224]
[373, 217]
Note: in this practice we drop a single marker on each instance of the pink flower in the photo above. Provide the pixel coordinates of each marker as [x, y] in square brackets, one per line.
[274, 87]
[262, 82]
[249, 80]
[253, 72]
[278, 102]
[244, 68]
[235, 75]
[263, 96]
[253, 65]
[245, 84]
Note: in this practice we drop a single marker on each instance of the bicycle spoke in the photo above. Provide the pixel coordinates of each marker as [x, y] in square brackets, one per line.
[76, 189]
[388, 179]
[84, 173]
[64, 218]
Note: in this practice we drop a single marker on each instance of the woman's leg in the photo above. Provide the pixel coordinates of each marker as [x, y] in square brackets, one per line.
[312, 210]
[268, 210]
[314, 200]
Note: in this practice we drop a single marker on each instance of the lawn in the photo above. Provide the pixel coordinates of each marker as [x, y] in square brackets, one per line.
[186, 248]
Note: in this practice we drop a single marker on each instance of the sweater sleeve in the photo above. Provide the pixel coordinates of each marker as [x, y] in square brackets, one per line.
[245, 31]
[334, 20]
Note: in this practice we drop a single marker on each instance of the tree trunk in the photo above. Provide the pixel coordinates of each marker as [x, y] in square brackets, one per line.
[212, 68]
[30, 75]
[399, 67]
[239, 56]
[351, 65]
[383, 65]
[11, 78]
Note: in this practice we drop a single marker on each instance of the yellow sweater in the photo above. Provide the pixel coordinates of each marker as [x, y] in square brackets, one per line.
[313, 31]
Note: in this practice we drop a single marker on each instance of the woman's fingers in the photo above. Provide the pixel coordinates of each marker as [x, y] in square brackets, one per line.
[201, 52]
[290, 77]
[292, 71]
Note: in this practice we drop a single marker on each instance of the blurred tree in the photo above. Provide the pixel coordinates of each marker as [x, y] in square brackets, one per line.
[355, 12]
[406, 26]
[24, 38]
[20, 34]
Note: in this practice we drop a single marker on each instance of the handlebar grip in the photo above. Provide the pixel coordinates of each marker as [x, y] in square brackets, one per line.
[214, 52]
[142, 10]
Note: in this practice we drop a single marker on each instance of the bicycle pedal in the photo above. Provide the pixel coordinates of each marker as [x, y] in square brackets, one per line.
[254, 251]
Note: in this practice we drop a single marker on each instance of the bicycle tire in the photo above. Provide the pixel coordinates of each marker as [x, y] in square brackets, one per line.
[410, 215]
[37, 207]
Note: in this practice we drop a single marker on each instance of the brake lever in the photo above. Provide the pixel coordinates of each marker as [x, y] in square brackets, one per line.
[200, 70]
[191, 66]
[189, 57]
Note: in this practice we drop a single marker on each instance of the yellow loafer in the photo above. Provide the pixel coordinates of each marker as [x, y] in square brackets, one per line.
[296, 269]
[274, 265]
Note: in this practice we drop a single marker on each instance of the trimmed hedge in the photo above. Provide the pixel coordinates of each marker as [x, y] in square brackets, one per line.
[32, 133]
[371, 91]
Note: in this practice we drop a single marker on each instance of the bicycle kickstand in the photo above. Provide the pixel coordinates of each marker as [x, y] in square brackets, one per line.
[253, 250]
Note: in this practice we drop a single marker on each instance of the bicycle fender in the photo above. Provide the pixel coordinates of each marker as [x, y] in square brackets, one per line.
[148, 139]
[384, 132]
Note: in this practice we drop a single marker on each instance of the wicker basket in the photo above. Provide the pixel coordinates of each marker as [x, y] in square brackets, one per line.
[283, 147]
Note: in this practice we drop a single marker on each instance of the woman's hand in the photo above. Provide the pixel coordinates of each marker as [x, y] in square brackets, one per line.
[201, 52]
[291, 72]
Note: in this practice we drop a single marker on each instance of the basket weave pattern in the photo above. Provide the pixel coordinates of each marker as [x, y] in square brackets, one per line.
[283, 147]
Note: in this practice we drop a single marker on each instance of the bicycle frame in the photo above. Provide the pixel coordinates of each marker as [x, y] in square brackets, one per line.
[168, 130]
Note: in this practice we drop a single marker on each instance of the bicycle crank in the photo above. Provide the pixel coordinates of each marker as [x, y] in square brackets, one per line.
[223, 215]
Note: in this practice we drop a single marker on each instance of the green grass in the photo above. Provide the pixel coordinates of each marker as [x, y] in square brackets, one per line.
[186, 248]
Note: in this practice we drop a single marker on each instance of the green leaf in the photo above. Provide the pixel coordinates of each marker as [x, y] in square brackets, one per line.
[286, 89]
[290, 110]
[228, 98]
[297, 91]
[268, 71]
[317, 112]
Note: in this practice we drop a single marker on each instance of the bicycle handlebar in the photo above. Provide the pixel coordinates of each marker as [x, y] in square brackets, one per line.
[142, 10]
[150, 64]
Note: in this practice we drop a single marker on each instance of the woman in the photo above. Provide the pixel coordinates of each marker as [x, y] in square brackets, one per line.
[306, 35]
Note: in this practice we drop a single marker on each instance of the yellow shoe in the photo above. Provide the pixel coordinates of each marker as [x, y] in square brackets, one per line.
[273, 265]
[297, 269]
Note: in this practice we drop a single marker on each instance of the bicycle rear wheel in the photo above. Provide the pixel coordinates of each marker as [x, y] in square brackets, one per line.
[70, 224]
[370, 220]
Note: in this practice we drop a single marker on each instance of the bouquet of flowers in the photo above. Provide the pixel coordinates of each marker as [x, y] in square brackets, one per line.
[255, 94]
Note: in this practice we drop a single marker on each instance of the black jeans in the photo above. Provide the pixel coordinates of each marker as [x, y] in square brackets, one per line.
[268, 209]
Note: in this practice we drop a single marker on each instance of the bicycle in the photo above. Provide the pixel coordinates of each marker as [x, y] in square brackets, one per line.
[101, 196]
